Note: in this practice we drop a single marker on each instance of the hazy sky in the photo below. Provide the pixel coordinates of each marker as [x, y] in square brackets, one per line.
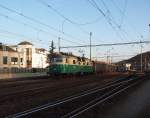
[41, 21]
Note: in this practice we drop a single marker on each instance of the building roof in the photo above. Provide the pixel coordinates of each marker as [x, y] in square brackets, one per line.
[41, 49]
[100, 62]
[63, 54]
[25, 43]
[6, 48]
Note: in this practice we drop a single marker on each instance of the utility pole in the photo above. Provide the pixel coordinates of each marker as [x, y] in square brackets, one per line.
[51, 50]
[107, 56]
[90, 44]
[149, 30]
[141, 59]
[59, 44]
[145, 64]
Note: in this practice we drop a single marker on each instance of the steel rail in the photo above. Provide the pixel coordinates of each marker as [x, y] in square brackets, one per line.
[98, 101]
[68, 99]
[76, 111]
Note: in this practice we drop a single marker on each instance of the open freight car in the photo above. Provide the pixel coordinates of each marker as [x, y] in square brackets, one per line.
[102, 67]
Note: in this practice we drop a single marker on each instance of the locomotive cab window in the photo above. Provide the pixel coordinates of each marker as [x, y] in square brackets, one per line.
[57, 60]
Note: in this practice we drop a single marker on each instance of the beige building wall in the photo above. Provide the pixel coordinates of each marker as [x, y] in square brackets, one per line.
[25, 52]
[27, 56]
[9, 55]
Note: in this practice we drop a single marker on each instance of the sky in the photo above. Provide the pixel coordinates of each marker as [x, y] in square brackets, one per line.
[110, 21]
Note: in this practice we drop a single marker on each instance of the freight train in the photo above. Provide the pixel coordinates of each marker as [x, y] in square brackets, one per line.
[68, 64]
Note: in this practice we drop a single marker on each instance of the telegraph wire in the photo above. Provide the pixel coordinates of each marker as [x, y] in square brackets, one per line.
[37, 21]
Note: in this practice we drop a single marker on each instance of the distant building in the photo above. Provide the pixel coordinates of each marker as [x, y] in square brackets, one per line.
[39, 58]
[128, 66]
[23, 55]
[8, 57]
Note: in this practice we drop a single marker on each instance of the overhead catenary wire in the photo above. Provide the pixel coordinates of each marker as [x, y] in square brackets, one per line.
[118, 26]
[19, 35]
[38, 22]
[95, 5]
[35, 28]
[64, 17]
[124, 15]
[24, 36]
[115, 26]
[111, 44]
[124, 10]
[118, 56]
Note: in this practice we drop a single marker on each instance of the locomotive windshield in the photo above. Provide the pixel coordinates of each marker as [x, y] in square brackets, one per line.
[57, 60]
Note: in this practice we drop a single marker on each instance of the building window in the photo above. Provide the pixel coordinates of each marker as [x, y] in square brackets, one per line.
[66, 60]
[74, 62]
[4, 59]
[57, 60]
[28, 51]
[21, 60]
[29, 62]
[14, 60]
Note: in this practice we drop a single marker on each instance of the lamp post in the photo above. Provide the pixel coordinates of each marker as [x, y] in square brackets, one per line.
[90, 45]
[59, 44]
[62, 30]
[141, 59]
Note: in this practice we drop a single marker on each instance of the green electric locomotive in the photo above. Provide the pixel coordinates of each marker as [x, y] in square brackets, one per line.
[65, 64]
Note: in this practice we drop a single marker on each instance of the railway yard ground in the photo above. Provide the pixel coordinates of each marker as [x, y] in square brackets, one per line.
[20, 94]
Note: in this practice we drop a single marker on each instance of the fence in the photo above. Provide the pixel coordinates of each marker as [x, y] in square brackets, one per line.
[21, 70]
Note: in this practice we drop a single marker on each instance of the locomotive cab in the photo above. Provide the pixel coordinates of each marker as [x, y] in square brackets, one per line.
[69, 64]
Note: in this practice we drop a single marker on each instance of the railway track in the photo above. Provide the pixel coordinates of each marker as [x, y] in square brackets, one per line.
[77, 104]
[33, 86]
[45, 85]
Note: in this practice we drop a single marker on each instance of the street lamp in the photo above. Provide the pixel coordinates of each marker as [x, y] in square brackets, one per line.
[90, 44]
[62, 30]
